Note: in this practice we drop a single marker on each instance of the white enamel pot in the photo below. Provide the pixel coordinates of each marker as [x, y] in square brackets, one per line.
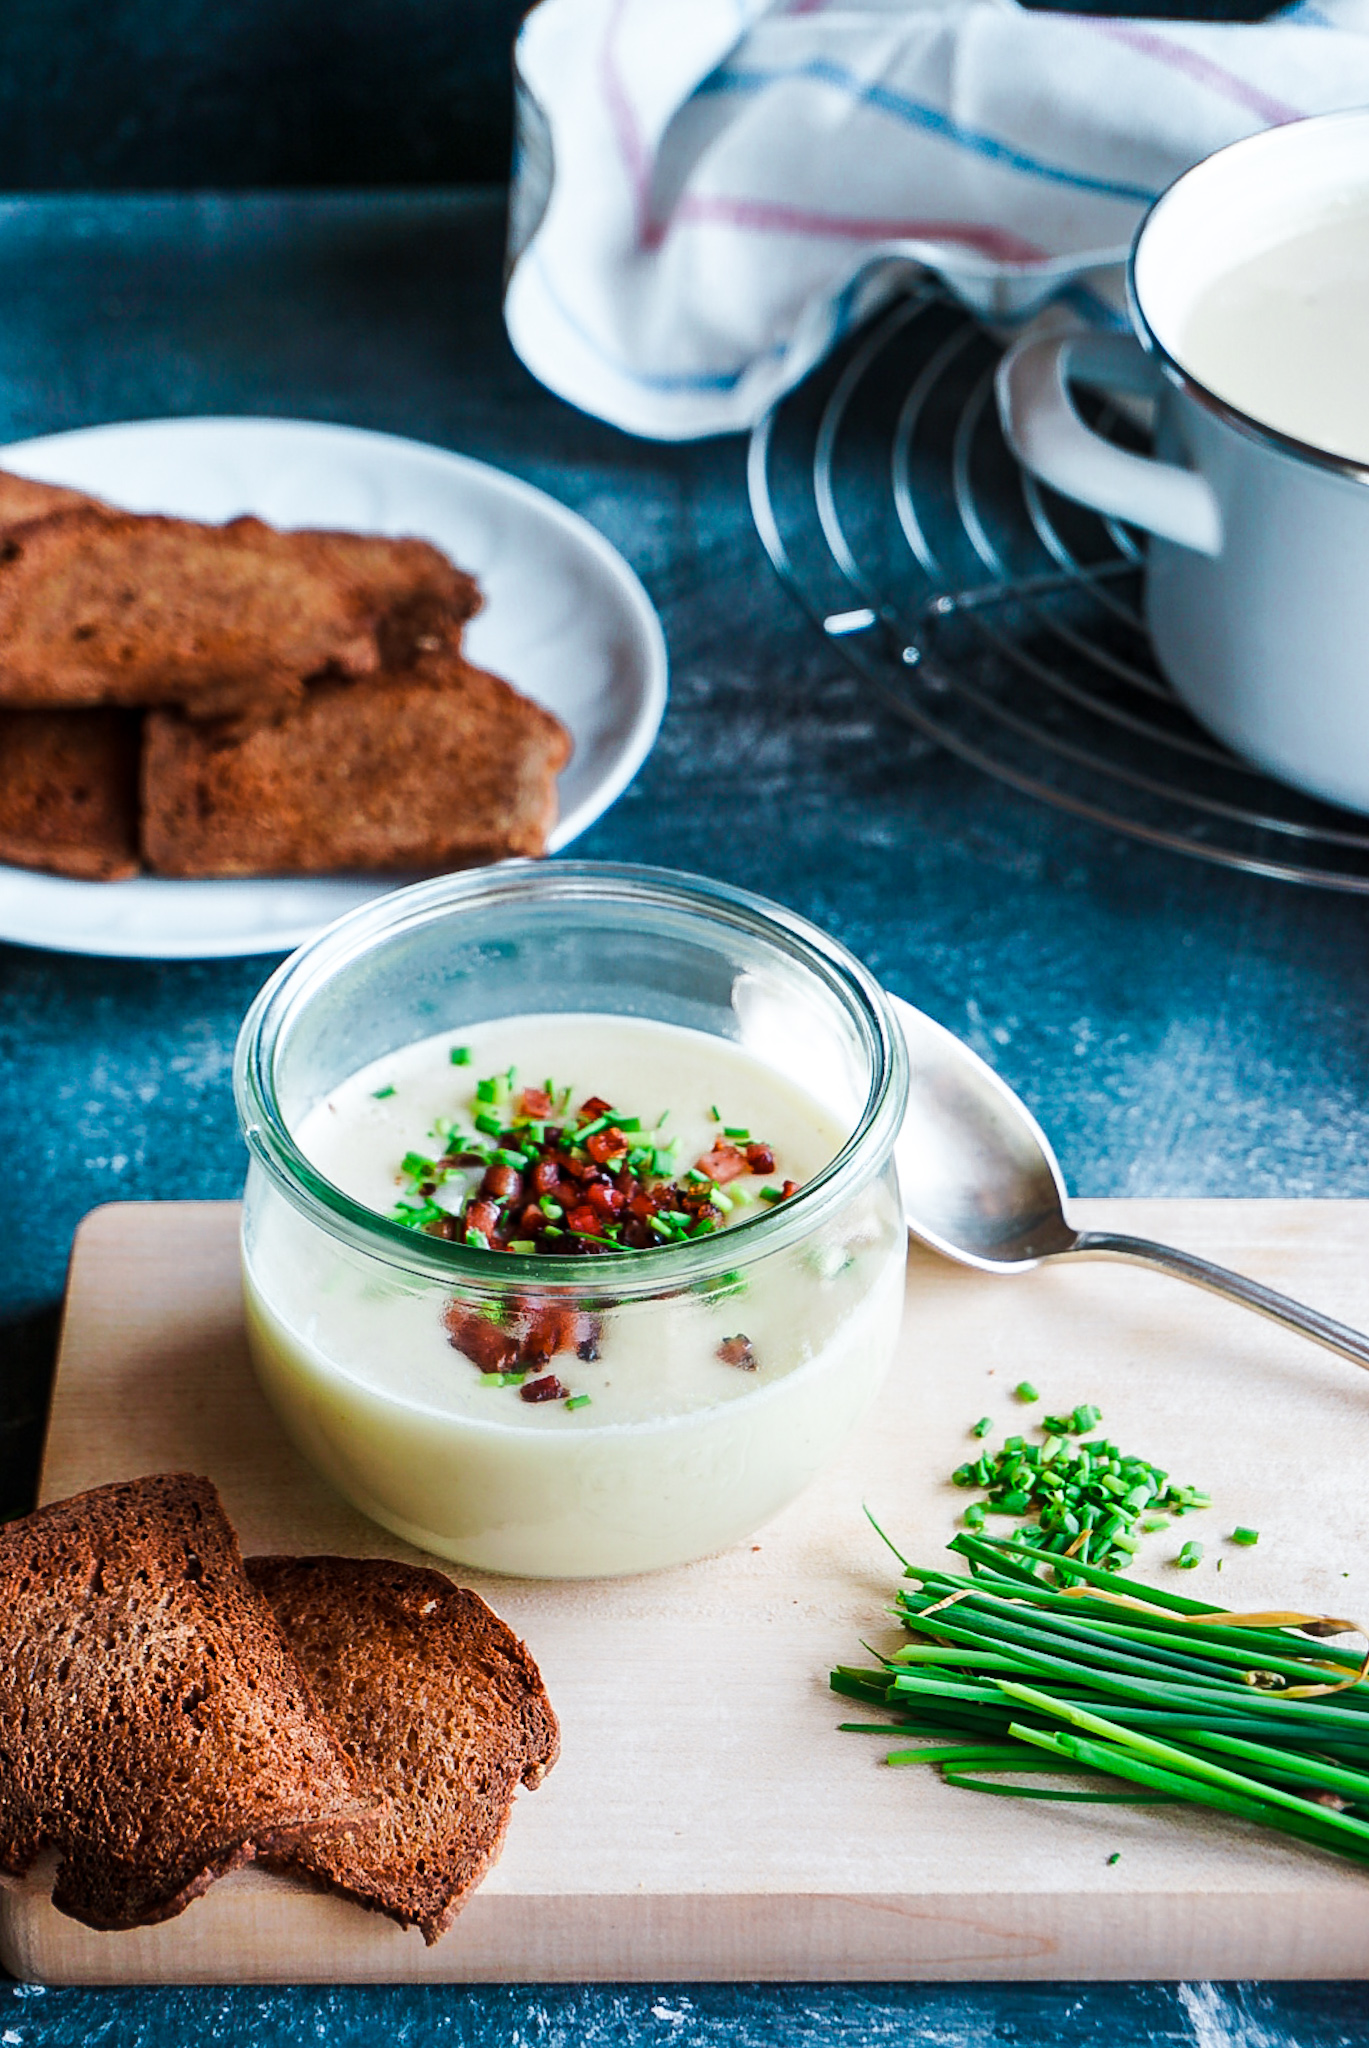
[1257, 578]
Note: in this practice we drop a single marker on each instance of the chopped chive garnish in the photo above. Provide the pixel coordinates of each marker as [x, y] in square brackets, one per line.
[1088, 1497]
[1189, 1557]
[461, 1055]
[1025, 1391]
[617, 1191]
[379, 1094]
[712, 1111]
[1245, 1537]
[735, 1131]
[772, 1194]
[578, 1401]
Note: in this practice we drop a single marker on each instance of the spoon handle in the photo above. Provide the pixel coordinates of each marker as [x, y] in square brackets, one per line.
[1322, 1329]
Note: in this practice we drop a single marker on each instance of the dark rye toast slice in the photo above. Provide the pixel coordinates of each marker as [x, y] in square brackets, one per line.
[103, 607]
[155, 1728]
[442, 1710]
[438, 766]
[69, 792]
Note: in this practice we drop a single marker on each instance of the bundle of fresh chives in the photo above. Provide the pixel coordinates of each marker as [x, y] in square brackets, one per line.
[1148, 1695]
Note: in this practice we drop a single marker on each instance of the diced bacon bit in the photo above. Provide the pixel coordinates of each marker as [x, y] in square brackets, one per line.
[545, 1176]
[482, 1215]
[760, 1158]
[596, 1106]
[548, 1389]
[737, 1351]
[584, 1220]
[791, 1187]
[534, 1333]
[505, 1183]
[535, 1104]
[605, 1145]
[486, 1345]
[545, 1328]
[724, 1163]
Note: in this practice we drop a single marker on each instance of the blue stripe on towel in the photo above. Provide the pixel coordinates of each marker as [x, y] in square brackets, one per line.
[915, 114]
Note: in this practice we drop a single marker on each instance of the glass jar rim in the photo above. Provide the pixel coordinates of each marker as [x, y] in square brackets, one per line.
[616, 1275]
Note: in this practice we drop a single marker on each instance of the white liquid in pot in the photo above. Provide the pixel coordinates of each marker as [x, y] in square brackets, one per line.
[1284, 336]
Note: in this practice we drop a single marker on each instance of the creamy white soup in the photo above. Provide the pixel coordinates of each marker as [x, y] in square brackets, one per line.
[1284, 336]
[434, 1413]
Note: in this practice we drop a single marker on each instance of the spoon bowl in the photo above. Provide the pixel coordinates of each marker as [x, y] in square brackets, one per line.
[981, 1185]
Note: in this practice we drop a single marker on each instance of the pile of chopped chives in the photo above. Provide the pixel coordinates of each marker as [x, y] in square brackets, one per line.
[1146, 1695]
[1089, 1497]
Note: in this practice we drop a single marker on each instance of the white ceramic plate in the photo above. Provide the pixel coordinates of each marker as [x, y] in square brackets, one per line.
[565, 620]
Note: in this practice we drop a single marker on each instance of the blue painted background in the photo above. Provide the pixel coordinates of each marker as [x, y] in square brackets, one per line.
[231, 94]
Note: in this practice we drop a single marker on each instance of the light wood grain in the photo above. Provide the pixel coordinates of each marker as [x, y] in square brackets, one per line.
[706, 1820]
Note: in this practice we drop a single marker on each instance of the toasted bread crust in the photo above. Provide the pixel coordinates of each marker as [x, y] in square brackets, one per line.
[154, 1725]
[22, 498]
[441, 1709]
[69, 792]
[438, 766]
[101, 607]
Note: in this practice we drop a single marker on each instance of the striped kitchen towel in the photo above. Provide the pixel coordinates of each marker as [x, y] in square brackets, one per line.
[710, 192]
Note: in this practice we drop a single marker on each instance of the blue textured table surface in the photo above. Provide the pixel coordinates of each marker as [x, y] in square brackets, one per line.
[1178, 1030]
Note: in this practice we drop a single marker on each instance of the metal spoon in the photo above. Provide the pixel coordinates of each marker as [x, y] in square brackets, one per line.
[982, 1186]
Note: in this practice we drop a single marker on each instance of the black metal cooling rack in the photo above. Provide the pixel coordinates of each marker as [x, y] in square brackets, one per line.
[1001, 620]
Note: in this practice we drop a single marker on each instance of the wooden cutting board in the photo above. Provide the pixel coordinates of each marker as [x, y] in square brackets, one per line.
[706, 1820]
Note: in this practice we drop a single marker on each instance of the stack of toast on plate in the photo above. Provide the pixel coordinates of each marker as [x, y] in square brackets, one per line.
[237, 700]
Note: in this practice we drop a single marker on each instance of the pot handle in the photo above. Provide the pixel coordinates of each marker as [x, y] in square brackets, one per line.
[1048, 437]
